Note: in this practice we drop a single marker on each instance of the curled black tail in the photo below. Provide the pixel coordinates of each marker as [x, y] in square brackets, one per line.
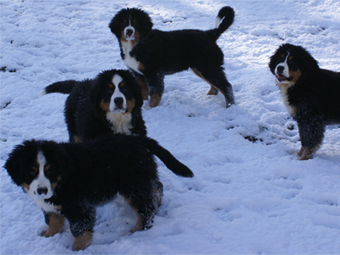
[64, 87]
[168, 159]
[224, 20]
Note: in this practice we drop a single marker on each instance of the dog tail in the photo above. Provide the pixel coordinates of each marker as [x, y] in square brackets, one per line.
[224, 20]
[168, 159]
[64, 87]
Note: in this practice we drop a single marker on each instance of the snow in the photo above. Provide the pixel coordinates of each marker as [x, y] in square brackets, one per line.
[248, 196]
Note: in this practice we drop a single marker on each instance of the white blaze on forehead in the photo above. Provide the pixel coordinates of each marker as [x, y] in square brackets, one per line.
[41, 181]
[116, 80]
[41, 159]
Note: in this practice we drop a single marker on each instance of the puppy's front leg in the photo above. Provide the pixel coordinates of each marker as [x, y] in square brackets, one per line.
[82, 220]
[83, 241]
[311, 131]
[55, 223]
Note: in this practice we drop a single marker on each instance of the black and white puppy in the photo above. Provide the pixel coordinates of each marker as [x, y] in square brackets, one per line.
[69, 180]
[311, 94]
[110, 103]
[152, 53]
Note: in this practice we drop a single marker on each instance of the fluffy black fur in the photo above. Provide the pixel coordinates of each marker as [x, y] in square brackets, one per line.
[86, 120]
[89, 174]
[311, 94]
[87, 117]
[152, 53]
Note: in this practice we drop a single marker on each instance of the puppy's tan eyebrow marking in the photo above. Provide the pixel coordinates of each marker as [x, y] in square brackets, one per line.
[47, 168]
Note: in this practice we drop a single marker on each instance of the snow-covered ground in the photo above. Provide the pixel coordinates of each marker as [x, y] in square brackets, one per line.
[248, 196]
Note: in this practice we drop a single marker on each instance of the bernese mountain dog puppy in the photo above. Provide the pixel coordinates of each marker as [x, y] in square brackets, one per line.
[311, 94]
[69, 180]
[110, 103]
[152, 53]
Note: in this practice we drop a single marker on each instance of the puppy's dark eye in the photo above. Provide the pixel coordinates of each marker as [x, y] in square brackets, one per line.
[33, 171]
[107, 95]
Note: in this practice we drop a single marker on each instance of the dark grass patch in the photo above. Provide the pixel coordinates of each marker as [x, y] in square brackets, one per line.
[290, 127]
[4, 69]
[252, 139]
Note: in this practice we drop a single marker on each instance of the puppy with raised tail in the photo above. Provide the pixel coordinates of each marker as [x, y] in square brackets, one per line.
[152, 53]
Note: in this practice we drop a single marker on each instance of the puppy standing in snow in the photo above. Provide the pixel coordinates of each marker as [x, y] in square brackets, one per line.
[311, 94]
[152, 53]
[69, 180]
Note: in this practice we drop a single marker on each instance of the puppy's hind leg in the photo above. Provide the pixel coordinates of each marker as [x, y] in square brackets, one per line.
[218, 82]
[156, 87]
[158, 194]
[213, 90]
[143, 84]
[145, 206]
[69, 114]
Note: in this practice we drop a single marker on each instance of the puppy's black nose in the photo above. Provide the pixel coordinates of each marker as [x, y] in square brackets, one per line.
[129, 32]
[42, 191]
[280, 69]
[119, 102]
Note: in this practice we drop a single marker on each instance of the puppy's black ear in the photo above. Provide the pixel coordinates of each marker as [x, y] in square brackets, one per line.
[272, 63]
[274, 58]
[94, 94]
[93, 91]
[17, 161]
[137, 90]
[57, 156]
[308, 65]
[146, 23]
[115, 24]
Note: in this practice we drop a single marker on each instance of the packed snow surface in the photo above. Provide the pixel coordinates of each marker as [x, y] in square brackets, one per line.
[250, 193]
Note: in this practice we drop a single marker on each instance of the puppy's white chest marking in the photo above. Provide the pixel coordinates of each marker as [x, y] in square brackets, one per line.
[283, 89]
[128, 60]
[121, 123]
[46, 207]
